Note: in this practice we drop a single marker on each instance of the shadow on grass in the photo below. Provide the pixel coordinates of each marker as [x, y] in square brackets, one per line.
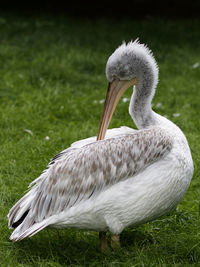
[61, 246]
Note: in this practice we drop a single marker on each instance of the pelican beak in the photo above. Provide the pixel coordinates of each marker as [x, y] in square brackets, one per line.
[115, 90]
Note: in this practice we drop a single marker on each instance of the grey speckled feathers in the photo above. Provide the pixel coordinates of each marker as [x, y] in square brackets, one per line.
[79, 174]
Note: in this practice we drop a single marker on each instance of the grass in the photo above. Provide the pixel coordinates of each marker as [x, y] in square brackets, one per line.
[52, 79]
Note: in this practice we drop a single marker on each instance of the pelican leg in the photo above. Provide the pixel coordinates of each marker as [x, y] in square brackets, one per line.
[103, 242]
[115, 241]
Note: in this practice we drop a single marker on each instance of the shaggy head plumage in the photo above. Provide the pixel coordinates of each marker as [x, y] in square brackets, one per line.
[132, 60]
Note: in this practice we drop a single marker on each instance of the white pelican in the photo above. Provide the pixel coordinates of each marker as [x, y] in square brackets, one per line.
[131, 177]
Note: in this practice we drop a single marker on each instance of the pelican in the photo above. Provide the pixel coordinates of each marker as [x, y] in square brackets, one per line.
[123, 177]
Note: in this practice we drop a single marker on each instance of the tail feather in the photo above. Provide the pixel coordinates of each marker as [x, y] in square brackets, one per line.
[18, 234]
[19, 211]
[22, 217]
[18, 222]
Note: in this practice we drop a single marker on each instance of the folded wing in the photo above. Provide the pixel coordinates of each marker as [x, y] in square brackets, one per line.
[77, 174]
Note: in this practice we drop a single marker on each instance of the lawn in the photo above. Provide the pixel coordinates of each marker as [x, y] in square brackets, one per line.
[52, 81]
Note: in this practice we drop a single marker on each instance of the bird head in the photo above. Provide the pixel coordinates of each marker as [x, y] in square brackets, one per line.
[129, 65]
[130, 61]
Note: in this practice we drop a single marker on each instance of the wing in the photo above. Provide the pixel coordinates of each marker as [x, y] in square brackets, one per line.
[81, 173]
[77, 174]
[111, 133]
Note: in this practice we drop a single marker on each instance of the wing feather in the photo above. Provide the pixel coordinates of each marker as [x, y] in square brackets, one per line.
[111, 133]
[80, 173]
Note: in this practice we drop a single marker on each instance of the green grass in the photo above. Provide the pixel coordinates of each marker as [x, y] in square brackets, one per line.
[52, 73]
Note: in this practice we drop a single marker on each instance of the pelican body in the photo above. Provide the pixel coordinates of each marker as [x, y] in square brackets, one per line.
[128, 178]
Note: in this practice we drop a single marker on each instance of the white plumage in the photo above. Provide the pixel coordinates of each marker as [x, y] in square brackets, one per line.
[131, 177]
